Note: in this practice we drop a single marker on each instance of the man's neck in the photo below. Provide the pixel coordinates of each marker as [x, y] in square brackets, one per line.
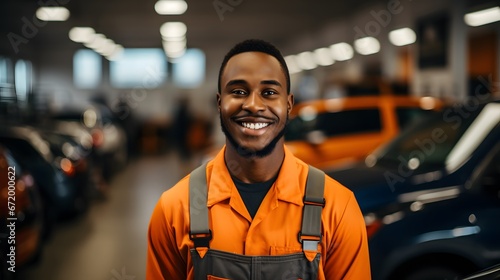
[254, 169]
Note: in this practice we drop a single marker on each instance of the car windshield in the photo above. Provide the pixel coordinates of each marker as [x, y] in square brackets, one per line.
[441, 139]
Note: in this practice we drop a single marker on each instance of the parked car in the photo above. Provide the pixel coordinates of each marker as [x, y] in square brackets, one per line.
[109, 140]
[63, 196]
[18, 191]
[491, 273]
[431, 196]
[339, 131]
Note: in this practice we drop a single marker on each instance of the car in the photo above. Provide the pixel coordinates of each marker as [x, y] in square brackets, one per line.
[21, 205]
[339, 131]
[109, 140]
[62, 195]
[431, 196]
[491, 273]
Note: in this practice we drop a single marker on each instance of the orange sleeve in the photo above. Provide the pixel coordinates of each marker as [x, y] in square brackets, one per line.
[348, 259]
[164, 261]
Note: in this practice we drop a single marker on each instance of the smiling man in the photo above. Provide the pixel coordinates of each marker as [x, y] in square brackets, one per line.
[255, 211]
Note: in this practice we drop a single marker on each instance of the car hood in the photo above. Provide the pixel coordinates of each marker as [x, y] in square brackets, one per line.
[368, 184]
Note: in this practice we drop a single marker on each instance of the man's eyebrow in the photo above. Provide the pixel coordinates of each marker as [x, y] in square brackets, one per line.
[243, 82]
[271, 82]
[236, 82]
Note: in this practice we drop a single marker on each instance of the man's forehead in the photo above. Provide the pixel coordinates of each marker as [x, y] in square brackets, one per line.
[254, 61]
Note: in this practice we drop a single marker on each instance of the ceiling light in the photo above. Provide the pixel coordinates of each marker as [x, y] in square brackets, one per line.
[323, 57]
[367, 45]
[483, 17]
[341, 51]
[402, 37]
[52, 13]
[305, 61]
[291, 64]
[81, 34]
[173, 30]
[97, 42]
[171, 7]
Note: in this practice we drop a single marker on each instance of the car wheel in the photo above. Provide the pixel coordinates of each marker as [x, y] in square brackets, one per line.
[433, 273]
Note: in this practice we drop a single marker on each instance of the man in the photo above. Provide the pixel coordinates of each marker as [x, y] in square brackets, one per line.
[251, 221]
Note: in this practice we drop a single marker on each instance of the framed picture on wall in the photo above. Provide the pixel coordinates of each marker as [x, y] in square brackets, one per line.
[433, 36]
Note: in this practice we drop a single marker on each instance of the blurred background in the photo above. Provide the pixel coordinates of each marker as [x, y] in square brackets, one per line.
[106, 104]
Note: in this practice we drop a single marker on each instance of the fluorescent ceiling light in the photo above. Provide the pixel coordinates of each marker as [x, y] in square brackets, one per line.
[97, 42]
[173, 30]
[52, 13]
[116, 53]
[341, 51]
[291, 64]
[323, 56]
[171, 7]
[305, 61]
[483, 17]
[81, 34]
[106, 47]
[367, 45]
[402, 37]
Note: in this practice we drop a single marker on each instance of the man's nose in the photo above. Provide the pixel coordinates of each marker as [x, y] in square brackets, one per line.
[254, 102]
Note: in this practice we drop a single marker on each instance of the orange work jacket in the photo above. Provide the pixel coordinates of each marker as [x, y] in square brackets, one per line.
[273, 230]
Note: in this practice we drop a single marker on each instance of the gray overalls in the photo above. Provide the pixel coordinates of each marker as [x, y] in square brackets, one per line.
[219, 265]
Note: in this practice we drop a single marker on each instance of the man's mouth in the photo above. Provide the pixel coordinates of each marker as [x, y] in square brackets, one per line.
[254, 126]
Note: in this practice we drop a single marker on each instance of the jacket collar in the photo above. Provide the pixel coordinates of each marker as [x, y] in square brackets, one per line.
[288, 185]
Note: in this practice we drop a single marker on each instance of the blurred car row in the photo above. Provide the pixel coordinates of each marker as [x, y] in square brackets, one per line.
[431, 196]
[61, 165]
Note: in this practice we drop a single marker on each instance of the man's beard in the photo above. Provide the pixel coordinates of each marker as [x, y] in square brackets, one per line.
[267, 150]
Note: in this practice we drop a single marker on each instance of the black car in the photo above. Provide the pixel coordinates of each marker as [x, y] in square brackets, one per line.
[21, 215]
[431, 197]
[62, 196]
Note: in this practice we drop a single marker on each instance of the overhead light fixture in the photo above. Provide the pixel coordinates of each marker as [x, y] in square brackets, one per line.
[341, 51]
[52, 13]
[172, 30]
[306, 61]
[323, 56]
[291, 64]
[367, 45]
[171, 7]
[81, 34]
[402, 37]
[483, 17]
[174, 39]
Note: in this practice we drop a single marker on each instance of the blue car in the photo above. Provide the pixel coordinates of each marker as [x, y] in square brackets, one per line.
[431, 197]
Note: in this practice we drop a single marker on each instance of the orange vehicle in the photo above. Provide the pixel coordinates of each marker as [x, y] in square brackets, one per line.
[335, 132]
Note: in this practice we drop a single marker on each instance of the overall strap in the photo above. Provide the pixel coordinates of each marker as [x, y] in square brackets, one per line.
[199, 231]
[310, 234]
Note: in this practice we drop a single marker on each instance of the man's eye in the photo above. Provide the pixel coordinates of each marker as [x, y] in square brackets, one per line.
[269, 92]
[238, 91]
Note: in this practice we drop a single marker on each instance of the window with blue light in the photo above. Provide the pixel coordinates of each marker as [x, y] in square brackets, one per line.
[188, 71]
[22, 78]
[87, 69]
[144, 68]
[5, 70]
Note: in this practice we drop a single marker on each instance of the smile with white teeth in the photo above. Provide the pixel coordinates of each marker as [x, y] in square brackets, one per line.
[254, 125]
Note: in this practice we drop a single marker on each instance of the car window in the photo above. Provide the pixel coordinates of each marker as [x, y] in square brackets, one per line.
[408, 115]
[335, 124]
[22, 150]
[428, 142]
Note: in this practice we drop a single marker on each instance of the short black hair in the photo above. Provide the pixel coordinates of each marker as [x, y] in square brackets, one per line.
[256, 45]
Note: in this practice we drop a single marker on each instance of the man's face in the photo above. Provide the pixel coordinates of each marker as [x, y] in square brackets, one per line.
[253, 103]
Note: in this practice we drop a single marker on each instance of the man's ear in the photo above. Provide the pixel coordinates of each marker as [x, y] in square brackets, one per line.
[218, 102]
[290, 102]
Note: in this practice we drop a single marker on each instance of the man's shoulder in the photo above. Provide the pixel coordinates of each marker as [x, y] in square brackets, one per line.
[336, 191]
[176, 195]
